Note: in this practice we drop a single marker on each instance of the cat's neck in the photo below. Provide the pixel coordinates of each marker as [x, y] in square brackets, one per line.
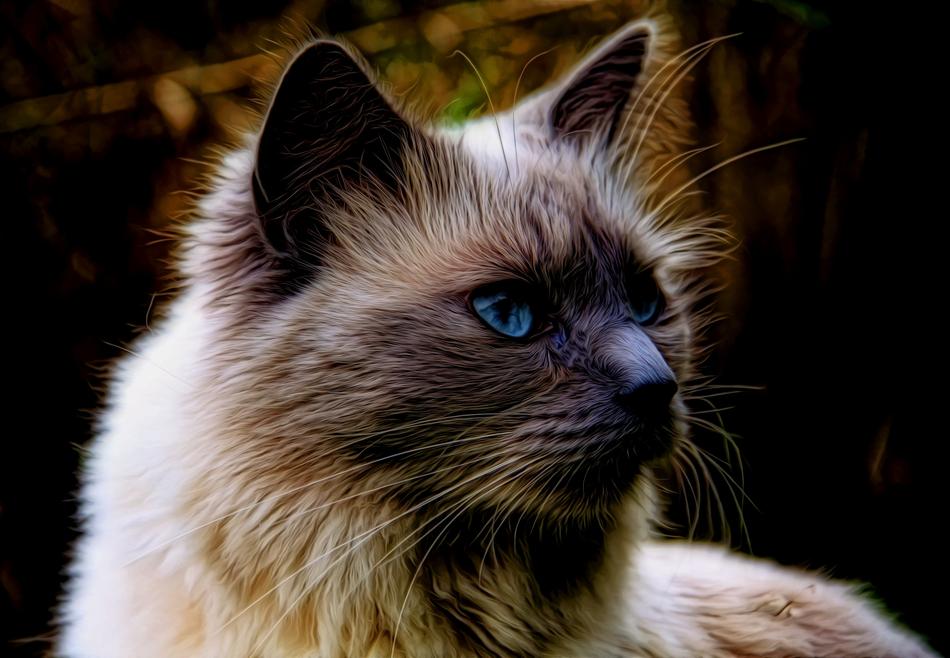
[484, 585]
[521, 585]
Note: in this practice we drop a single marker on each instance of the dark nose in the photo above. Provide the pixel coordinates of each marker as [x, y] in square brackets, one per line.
[648, 399]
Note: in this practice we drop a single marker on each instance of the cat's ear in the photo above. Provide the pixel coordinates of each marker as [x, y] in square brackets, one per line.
[327, 130]
[591, 102]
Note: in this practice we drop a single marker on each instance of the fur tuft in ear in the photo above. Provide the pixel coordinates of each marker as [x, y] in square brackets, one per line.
[327, 128]
[591, 102]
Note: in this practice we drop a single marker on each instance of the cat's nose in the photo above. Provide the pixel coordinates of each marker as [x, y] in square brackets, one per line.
[649, 399]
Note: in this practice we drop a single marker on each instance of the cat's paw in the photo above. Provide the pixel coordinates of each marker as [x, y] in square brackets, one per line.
[702, 600]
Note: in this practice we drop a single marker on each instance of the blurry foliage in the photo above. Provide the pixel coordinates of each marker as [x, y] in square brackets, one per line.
[801, 12]
[110, 113]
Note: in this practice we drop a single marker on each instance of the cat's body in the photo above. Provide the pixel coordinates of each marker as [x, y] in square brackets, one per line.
[331, 448]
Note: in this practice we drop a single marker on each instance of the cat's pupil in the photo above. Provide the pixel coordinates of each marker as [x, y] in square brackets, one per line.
[646, 300]
[504, 310]
[644, 310]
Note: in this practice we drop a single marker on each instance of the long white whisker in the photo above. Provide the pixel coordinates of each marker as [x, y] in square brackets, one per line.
[670, 197]
[511, 507]
[460, 438]
[311, 483]
[677, 76]
[446, 522]
[149, 361]
[671, 165]
[514, 104]
[362, 538]
[491, 106]
[675, 62]
[387, 557]
[383, 487]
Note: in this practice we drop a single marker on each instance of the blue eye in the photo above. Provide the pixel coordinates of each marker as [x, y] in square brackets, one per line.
[506, 309]
[647, 311]
[646, 300]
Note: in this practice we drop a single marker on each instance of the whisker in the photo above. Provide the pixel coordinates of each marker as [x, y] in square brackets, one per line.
[505, 512]
[692, 518]
[544, 472]
[711, 410]
[306, 485]
[671, 165]
[676, 76]
[682, 64]
[363, 537]
[713, 490]
[383, 487]
[703, 458]
[491, 105]
[695, 179]
[707, 396]
[389, 557]
[514, 103]
[674, 61]
[738, 499]
[390, 552]
[669, 85]
[460, 438]
[150, 362]
[307, 589]
[446, 523]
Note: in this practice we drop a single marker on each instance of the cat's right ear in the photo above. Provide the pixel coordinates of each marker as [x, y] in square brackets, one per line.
[328, 129]
[591, 102]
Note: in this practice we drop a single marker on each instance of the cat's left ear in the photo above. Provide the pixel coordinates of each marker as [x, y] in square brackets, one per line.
[328, 130]
[591, 102]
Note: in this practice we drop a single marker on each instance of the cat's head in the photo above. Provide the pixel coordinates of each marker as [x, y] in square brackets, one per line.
[495, 315]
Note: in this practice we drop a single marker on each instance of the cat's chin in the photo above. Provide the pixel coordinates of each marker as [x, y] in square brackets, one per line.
[627, 454]
[652, 446]
[602, 477]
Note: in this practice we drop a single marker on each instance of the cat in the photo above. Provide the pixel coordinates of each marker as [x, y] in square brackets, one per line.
[410, 399]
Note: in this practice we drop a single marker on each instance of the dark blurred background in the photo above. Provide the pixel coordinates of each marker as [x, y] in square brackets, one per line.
[108, 110]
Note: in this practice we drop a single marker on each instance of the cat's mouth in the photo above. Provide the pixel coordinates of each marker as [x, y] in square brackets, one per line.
[643, 441]
[637, 449]
[654, 442]
[611, 460]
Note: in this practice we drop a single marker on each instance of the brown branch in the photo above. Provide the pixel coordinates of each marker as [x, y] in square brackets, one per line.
[442, 27]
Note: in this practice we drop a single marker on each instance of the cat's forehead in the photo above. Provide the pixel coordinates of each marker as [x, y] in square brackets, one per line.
[469, 213]
[556, 205]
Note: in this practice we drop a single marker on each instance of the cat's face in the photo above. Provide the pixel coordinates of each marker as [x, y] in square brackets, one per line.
[454, 324]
